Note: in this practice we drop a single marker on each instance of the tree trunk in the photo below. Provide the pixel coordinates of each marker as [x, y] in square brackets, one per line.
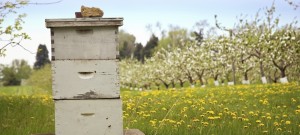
[181, 82]
[233, 72]
[281, 67]
[190, 78]
[165, 83]
[200, 76]
[261, 67]
[157, 84]
[216, 77]
[282, 72]
[246, 74]
[173, 84]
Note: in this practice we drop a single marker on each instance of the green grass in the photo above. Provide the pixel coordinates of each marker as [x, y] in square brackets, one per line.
[20, 90]
[23, 111]
[248, 110]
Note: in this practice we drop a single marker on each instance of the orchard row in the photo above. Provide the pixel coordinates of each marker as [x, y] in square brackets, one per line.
[258, 51]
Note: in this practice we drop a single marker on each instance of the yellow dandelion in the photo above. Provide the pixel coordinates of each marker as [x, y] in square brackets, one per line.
[278, 129]
[152, 111]
[134, 121]
[196, 120]
[211, 118]
[258, 121]
[245, 119]
[276, 124]
[251, 112]
[287, 122]
[205, 123]
[211, 112]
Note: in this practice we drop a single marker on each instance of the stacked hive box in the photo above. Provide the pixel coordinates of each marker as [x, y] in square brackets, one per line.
[85, 76]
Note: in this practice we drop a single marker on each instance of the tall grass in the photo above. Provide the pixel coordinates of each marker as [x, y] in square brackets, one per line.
[22, 112]
[236, 110]
[247, 110]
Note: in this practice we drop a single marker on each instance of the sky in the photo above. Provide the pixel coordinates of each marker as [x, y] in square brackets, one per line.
[137, 15]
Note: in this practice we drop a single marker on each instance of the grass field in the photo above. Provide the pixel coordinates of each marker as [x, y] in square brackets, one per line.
[237, 110]
[24, 111]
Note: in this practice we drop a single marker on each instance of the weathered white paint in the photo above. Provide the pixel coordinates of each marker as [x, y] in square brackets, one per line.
[85, 79]
[284, 80]
[84, 43]
[216, 83]
[85, 76]
[230, 83]
[264, 80]
[82, 22]
[88, 117]
[245, 81]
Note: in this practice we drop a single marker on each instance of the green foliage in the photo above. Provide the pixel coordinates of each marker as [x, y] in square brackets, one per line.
[150, 46]
[175, 39]
[42, 57]
[126, 44]
[11, 34]
[42, 79]
[138, 52]
[15, 73]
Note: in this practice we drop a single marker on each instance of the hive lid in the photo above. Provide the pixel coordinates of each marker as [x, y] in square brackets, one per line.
[79, 22]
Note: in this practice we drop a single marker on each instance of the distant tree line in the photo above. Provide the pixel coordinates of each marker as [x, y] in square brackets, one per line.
[129, 49]
[19, 70]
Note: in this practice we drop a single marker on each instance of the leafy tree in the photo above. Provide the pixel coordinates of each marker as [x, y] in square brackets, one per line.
[138, 52]
[285, 49]
[11, 34]
[150, 46]
[42, 57]
[174, 39]
[126, 44]
[16, 72]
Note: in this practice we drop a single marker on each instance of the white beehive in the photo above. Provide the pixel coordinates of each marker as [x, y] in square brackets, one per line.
[85, 79]
[88, 117]
[84, 38]
[85, 76]
[90, 43]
